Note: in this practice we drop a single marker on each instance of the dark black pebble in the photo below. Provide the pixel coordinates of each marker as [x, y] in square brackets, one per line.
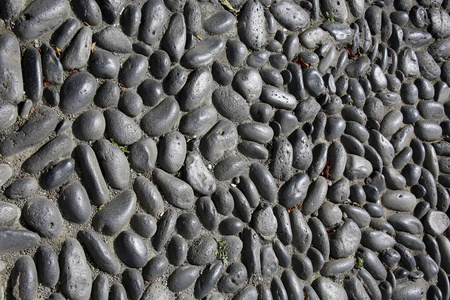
[74, 202]
[134, 283]
[155, 267]
[131, 249]
[143, 224]
[103, 257]
[58, 174]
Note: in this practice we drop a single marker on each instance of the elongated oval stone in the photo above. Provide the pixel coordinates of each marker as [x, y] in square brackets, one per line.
[13, 240]
[38, 128]
[76, 280]
[102, 255]
[402, 201]
[11, 88]
[252, 28]
[203, 53]
[41, 17]
[24, 279]
[152, 22]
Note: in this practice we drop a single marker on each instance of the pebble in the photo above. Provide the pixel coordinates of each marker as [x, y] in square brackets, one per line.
[195, 90]
[376, 240]
[427, 130]
[143, 155]
[278, 98]
[104, 64]
[436, 222]
[76, 55]
[32, 74]
[409, 290]
[24, 278]
[223, 201]
[58, 174]
[11, 8]
[161, 118]
[248, 83]
[21, 188]
[152, 21]
[229, 168]
[327, 289]
[264, 221]
[10, 214]
[182, 278]
[93, 179]
[75, 279]
[222, 73]
[108, 95]
[174, 38]
[133, 282]
[290, 15]
[175, 80]
[219, 23]
[40, 18]
[198, 175]
[175, 191]
[8, 115]
[88, 11]
[230, 104]
[233, 278]
[39, 126]
[200, 121]
[114, 163]
[103, 257]
[172, 152]
[222, 137]
[89, 126]
[203, 53]
[155, 267]
[131, 249]
[77, 92]
[144, 225]
[47, 265]
[116, 214]
[358, 67]
[207, 213]
[249, 26]
[43, 216]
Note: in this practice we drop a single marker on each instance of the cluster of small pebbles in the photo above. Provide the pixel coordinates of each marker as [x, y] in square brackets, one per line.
[231, 149]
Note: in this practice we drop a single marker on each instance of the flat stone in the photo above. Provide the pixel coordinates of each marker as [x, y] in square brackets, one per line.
[203, 53]
[13, 240]
[38, 128]
[40, 18]
[75, 279]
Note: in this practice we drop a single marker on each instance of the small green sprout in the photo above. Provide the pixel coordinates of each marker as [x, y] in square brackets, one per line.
[101, 207]
[330, 17]
[113, 142]
[359, 263]
[222, 253]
